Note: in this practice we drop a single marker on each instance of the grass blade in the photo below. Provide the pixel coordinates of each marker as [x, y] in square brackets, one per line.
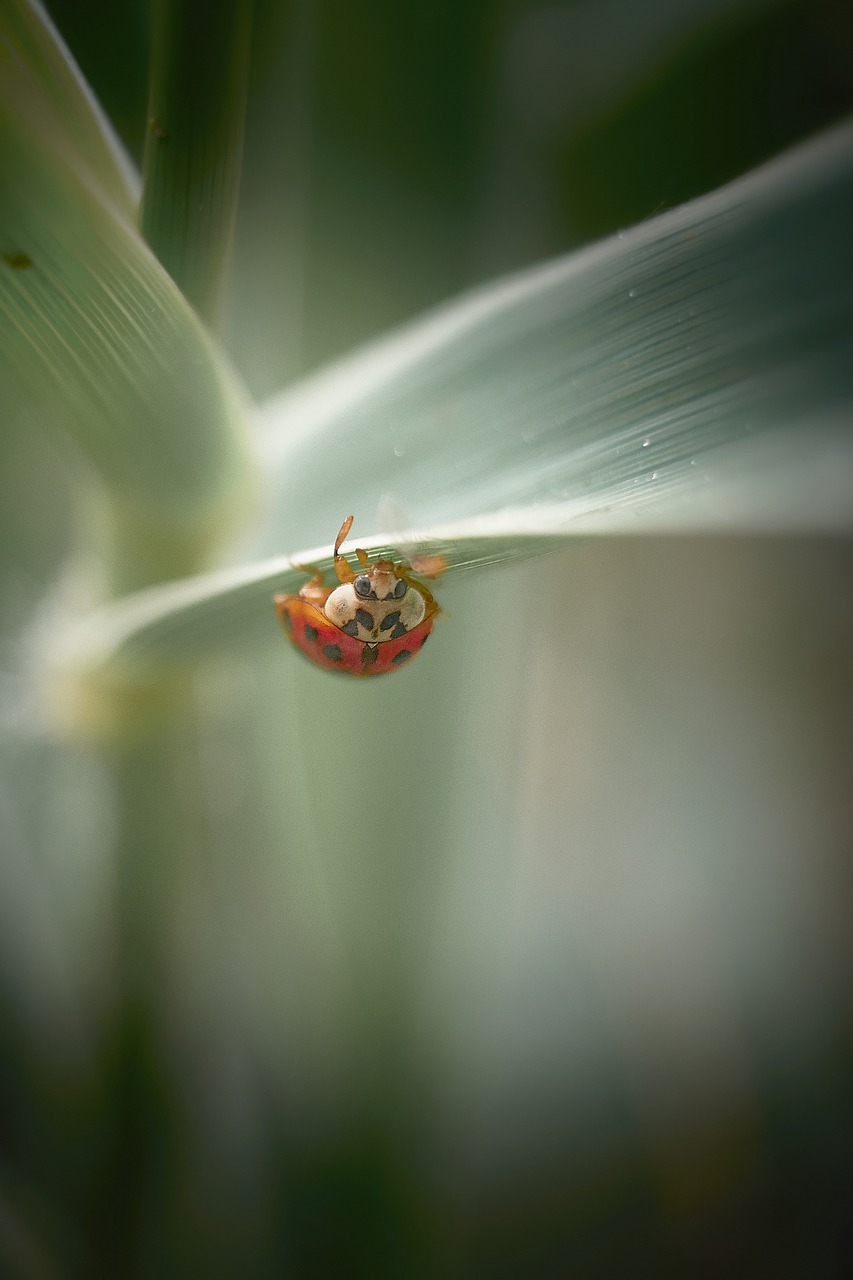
[96, 337]
[40, 80]
[653, 374]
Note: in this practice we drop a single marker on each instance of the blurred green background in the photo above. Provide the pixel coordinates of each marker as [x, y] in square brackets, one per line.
[538, 964]
[398, 153]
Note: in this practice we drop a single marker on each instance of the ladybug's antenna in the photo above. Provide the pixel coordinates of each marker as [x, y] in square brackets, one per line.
[342, 567]
[342, 533]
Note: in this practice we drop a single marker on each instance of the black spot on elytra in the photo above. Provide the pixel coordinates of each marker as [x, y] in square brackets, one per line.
[333, 652]
[402, 655]
[351, 627]
[18, 261]
[311, 633]
[364, 619]
[390, 620]
[286, 620]
[424, 639]
[369, 654]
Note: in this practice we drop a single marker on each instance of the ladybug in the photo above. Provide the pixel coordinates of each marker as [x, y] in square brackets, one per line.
[375, 621]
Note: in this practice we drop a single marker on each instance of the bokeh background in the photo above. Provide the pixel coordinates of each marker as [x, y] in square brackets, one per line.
[536, 962]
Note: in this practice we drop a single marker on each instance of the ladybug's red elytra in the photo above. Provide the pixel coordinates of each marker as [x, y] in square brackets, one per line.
[375, 621]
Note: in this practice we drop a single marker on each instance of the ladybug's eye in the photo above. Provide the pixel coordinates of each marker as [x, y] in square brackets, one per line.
[362, 586]
[401, 589]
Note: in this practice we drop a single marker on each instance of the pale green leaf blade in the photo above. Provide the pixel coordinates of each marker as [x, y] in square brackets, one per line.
[98, 339]
[40, 80]
[713, 342]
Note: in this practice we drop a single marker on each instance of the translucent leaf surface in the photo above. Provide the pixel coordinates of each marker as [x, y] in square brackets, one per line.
[214, 611]
[680, 374]
[691, 375]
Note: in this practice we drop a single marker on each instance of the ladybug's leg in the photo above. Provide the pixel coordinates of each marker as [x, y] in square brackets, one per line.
[361, 556]
[405, 572]
[317, 575]
[428, 566]
[315, 591]
[342, 567]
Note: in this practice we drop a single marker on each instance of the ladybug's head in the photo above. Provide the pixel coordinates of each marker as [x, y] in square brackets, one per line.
[380, 582]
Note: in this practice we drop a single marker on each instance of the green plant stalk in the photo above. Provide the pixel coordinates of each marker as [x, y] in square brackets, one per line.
[194, 144]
